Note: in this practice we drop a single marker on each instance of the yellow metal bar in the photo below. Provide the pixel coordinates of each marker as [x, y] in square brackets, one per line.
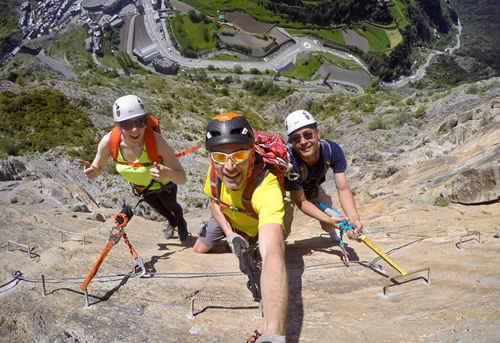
[379, 252]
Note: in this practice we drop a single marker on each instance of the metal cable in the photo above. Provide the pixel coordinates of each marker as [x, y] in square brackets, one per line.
[175, 275]
[18, 275]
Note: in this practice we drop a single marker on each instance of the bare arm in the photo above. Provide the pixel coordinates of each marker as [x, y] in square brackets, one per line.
[172, 169]
[199, 247]
[94, 169]
[312, 211]
[274, 280]
[347, 202]
[220, 218]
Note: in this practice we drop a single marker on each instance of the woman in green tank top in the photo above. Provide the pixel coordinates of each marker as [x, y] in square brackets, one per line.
[156, 180]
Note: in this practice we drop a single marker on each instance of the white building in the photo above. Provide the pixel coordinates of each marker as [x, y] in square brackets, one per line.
[147, 54]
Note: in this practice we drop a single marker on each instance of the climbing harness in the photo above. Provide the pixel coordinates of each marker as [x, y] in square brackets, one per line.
[187, 151]
[116, 233]
[139, 192]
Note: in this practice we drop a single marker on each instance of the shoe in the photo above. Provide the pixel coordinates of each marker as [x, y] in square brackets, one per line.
[168, 231]
[335, 235]
[182, 230]
[269, 338]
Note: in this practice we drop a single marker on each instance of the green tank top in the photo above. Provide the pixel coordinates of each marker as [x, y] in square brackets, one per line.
[139, 176]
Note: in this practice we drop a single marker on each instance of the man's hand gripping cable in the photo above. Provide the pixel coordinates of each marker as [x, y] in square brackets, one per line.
[360, 237]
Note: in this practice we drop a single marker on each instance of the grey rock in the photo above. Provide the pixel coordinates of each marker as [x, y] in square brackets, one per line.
[476, 186]
[12, 170]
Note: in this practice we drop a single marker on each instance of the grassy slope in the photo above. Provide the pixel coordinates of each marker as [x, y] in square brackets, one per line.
[398, 12]
[196, 36]
[41, 119]
[304, 68]
[377, 38]
[10, 33]
[212, 7]
[332, 36]
[308, 64]
[71, 46]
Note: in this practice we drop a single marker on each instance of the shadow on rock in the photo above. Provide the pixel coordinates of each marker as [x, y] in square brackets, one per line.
[294, 256]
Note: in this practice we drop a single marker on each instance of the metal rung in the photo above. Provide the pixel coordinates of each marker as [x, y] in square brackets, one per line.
[71, 233]
[191, 315]
[395, 278]
[469, 233]
[444, 232]
[389, 233]
[44, 289]
[21, 245]
[106, 226]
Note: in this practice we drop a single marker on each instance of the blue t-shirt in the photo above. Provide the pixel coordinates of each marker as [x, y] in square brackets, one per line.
[310, 177]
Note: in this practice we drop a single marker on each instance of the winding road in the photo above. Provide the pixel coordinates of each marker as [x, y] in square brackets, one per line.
[286, 56]
[420, 73]
[157, 32]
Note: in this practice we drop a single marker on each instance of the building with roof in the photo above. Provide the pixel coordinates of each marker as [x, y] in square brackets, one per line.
[108, 6]
[165, 65]
[139, 6]
[147, 54]
[116, 22]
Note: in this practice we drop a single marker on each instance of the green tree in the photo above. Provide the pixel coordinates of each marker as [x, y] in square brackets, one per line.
[193, 15]
[238, 69]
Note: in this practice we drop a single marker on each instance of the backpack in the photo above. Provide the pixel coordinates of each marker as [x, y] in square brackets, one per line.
[149, 141]
[272, 154]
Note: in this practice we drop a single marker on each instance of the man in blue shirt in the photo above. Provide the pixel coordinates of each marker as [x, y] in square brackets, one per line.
[312, 157]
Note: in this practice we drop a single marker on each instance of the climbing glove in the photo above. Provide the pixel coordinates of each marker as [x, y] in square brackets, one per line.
[237, 243]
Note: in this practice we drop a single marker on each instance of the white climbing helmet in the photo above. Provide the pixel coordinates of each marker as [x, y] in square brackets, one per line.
[298, 119]
[128, 107]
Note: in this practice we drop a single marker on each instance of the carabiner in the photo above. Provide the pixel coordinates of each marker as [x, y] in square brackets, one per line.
[138, 263]
[115, 238]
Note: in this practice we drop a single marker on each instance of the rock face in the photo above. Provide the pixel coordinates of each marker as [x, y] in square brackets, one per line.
[476, 186]
[44, 197]
[11, 170]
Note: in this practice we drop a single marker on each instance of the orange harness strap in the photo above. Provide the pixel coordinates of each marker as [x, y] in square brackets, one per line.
[124, 219]
[187, 151]
[96, 266]
[131, 248]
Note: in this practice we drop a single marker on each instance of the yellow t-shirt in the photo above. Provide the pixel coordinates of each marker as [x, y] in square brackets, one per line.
[267, 202]
[139, 176]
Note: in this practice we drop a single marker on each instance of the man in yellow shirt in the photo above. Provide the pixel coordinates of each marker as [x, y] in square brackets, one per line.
[229, 139]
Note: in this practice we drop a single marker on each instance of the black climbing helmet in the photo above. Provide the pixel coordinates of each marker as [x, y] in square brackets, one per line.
[228, 128]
